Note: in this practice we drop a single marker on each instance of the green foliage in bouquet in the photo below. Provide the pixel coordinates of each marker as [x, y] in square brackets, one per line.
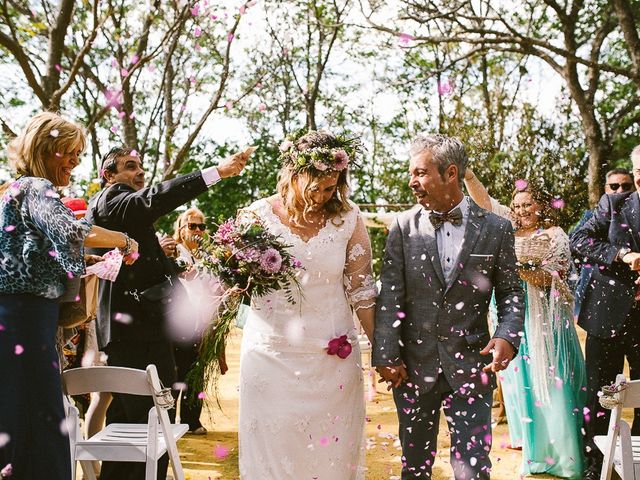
[247, 260]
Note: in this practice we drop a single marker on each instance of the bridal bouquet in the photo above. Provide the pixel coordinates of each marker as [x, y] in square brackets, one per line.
[245, 259]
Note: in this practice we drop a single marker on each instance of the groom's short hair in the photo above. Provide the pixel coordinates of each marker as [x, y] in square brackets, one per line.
[445, 151]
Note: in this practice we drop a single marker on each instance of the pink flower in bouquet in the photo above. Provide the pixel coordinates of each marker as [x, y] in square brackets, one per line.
[340, 346]
[249, 254]
[225, 231]
[342, 160]
[271, 261]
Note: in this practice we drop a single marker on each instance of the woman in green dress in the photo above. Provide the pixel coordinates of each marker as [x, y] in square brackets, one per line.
[543, 387]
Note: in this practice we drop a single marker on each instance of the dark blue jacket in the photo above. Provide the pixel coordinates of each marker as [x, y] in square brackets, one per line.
[610, 293]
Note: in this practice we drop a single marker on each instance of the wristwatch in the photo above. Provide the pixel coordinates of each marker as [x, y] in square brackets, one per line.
[622, 252]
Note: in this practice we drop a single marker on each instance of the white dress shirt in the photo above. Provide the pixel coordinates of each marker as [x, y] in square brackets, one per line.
[450, 239]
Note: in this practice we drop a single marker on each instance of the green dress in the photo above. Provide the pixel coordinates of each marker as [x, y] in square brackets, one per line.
[544, 386]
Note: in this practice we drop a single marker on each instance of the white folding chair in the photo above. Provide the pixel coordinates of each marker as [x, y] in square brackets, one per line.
[621, 451]
[123, 442]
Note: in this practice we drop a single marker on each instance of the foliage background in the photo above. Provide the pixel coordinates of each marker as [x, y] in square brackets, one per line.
[542, 90]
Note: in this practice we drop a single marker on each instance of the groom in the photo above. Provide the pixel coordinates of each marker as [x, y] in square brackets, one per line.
[444, 259]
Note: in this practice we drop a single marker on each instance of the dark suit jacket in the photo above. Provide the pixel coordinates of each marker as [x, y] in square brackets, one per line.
[429, 324]
[609, 295]
[123, 314]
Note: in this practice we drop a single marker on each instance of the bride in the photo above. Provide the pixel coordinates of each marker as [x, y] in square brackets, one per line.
[302, 403]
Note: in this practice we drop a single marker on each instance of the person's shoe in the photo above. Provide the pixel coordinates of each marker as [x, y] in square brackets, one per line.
[198, 431]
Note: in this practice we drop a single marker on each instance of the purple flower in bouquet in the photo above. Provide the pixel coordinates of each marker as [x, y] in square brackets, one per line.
[295, 263]
[342, 159]
[271, 261]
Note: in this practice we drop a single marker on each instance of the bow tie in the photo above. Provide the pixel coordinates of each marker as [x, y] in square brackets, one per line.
[454, 217]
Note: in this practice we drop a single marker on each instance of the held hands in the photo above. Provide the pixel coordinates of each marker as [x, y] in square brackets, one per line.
[633, 260]
[234, 164]
[394, 376]
[502, 352]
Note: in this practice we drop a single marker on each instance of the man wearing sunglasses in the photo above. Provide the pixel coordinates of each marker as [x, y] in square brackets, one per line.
[133, 310]
[617, 180]
[610, 306]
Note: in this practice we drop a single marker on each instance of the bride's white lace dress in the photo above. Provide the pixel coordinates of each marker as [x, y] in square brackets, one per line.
[302, 410]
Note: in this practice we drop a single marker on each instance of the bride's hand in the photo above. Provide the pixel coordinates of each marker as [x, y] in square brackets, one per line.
[394, 375]
[234, 164]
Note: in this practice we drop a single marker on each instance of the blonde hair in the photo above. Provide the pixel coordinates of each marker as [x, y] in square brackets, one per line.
[293, 188]
[46, 134]
[190, 212]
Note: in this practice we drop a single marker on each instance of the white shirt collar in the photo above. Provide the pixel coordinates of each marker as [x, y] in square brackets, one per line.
[463, 206]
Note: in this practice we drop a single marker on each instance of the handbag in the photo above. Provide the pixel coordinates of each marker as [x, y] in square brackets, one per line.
[79, 304]
[159, 291]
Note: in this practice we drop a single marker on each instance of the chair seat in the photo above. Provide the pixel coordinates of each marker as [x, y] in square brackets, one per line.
[601, 441]
[124, 442]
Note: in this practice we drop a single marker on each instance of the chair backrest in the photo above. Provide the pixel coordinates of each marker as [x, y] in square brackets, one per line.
[630, 396]
[78, 381]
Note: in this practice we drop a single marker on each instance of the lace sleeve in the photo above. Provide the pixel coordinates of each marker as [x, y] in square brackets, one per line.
[358, 276]
[558, 255]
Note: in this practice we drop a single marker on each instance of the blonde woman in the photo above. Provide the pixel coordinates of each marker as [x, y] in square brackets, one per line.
[189, 227]
[301, 407]
[41, 245]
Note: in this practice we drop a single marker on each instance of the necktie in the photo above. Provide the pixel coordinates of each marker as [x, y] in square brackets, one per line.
[454, 217]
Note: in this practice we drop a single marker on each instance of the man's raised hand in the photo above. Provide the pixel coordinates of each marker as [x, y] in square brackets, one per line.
[233, 165]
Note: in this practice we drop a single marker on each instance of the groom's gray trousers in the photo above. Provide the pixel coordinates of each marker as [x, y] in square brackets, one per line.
[469, 420]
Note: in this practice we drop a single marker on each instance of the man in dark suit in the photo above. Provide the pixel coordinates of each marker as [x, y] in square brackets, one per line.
[444, 259]
[133, 310]
[610, 311]
[618, 180]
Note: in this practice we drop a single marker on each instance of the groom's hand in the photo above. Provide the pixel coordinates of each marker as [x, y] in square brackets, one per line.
[502, 352]
[233, 165]
[394, 375]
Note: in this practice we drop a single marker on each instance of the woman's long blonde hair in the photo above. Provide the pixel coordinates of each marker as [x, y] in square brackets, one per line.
[183, 217]
[294, 186]
[46, 134]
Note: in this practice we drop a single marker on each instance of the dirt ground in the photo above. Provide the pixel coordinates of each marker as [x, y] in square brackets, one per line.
[215, 455]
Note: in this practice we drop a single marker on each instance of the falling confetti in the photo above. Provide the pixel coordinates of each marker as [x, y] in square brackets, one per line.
[221, 451]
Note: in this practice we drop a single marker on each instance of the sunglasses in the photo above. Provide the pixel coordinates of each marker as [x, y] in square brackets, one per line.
[625, 186]
[193, 226]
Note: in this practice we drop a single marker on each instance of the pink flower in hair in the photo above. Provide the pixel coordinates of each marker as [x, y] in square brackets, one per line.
[342, 159]
[286, 146]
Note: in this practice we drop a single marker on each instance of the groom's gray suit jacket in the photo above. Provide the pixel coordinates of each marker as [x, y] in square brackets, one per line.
[430, 324]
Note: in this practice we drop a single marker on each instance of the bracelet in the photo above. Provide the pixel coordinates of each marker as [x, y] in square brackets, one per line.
[127, 246]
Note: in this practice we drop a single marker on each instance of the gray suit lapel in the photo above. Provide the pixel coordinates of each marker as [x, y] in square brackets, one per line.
[428, 234]
[472, 231]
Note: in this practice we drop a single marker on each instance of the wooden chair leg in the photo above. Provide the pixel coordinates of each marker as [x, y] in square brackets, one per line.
[87, 469]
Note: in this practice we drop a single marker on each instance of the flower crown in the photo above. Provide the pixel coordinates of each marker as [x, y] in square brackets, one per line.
[323, 159]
